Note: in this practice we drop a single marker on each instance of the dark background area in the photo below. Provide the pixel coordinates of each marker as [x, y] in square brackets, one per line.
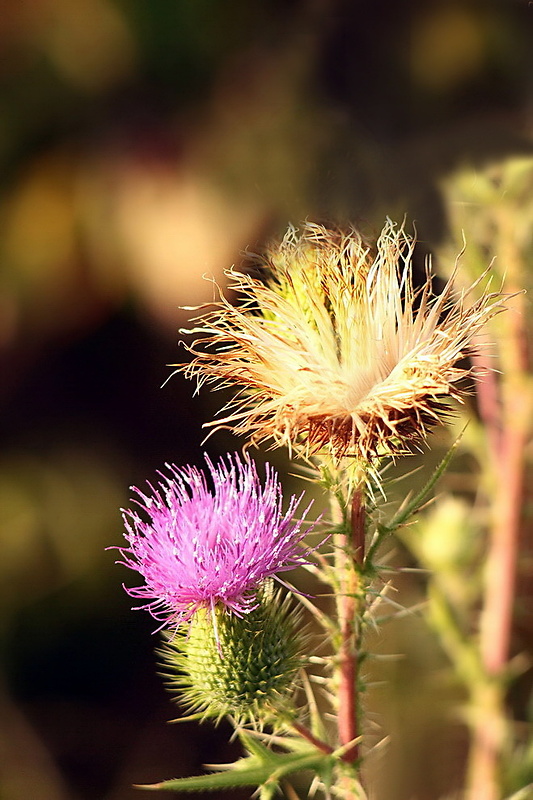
[143, 145]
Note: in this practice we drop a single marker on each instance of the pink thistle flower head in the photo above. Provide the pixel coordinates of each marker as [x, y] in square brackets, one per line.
[198, 546]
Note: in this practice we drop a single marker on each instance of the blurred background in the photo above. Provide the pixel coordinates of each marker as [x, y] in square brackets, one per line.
[144, 145]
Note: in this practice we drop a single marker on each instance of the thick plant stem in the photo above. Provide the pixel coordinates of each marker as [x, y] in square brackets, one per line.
[349, 557]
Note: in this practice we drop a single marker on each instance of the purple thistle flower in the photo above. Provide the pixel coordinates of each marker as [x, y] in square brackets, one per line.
[201, 546]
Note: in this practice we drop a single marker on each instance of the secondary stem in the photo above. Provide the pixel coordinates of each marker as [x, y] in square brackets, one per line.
[310, 737]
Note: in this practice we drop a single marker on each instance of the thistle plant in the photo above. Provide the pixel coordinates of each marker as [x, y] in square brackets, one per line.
[334, 354]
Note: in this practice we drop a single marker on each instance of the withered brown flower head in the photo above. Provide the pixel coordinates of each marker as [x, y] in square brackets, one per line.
[336, 352]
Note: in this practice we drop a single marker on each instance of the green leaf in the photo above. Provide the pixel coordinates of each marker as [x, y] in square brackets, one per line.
[262, 768]
[218, 780]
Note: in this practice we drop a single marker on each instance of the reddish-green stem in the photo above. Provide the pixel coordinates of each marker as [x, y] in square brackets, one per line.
[351, 551]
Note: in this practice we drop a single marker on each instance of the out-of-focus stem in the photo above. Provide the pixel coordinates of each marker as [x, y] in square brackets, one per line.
[507, 433]
[509, 463]
[496, 623]
[488, 401]
[502, 558]
[496, 620]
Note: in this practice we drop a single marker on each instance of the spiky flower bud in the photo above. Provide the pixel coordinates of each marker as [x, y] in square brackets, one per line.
[246, 667]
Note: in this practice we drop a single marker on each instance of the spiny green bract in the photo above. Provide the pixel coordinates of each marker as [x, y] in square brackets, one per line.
[249, 673]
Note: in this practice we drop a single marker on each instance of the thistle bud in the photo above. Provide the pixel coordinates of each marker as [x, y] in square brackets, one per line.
[243, 666]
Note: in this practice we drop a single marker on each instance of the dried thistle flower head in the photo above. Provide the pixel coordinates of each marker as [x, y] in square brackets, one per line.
[337, 352]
